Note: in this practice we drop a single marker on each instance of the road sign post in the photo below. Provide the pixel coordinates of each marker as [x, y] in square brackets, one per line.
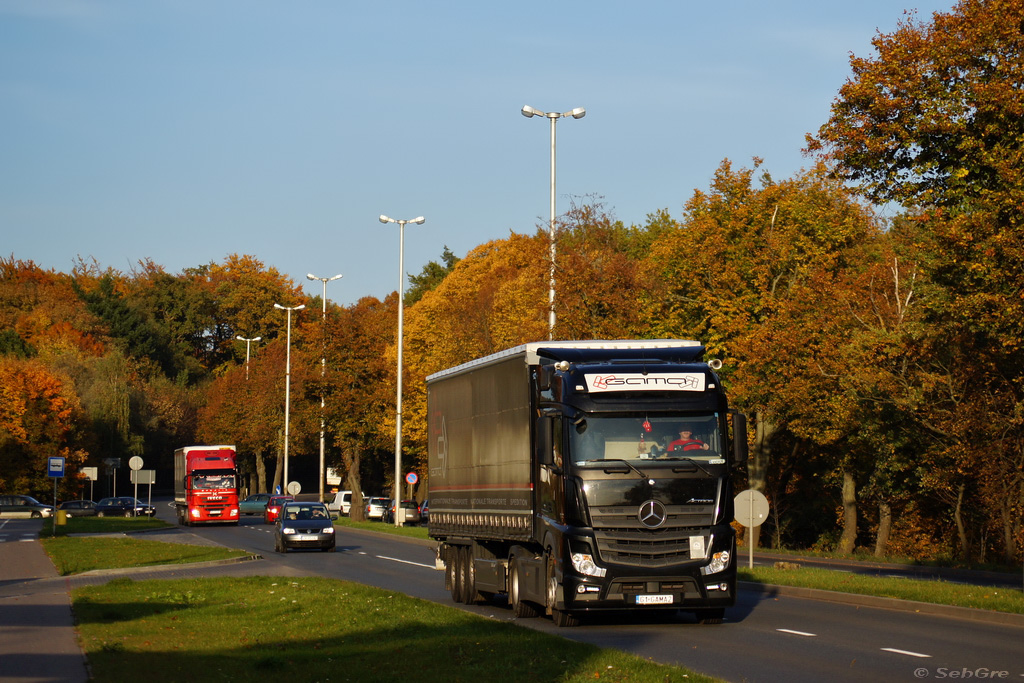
[135, 464]
[55, 470]
[751, 511]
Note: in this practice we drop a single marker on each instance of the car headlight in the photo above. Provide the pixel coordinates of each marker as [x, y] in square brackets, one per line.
[584, 564]
[329, 530]
[719, 562]
[287, 530]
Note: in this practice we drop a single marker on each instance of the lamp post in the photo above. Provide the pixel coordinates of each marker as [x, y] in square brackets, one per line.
[398, 400]
[247, 342]
[288, 386]
[553, 116]
[323, 371]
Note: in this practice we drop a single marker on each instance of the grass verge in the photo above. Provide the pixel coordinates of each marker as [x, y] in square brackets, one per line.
[101, 525]
[937, 592]
[82, 554]
[316, 629]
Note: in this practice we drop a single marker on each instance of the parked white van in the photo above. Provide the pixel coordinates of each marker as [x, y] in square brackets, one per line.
[342, 502]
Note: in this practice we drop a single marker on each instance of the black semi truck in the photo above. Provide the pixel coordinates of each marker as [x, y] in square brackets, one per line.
[580, 477]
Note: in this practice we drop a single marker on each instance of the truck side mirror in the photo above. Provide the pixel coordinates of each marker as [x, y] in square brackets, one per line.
[739, 439]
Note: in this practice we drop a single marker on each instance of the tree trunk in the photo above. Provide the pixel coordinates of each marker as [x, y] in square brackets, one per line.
[757, 465]
[848, 541]
[884, 528]
[261, 471]
[350, 456]
[958, 517]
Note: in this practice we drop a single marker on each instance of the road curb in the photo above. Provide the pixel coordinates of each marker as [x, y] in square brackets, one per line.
[966, 613]
[120, 571]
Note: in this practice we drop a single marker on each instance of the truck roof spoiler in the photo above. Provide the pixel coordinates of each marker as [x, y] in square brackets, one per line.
[677, 350]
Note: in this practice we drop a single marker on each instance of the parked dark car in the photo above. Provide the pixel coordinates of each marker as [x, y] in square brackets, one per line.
[23, 506]
[256, 504]
[304, 525]
[123, 506]
[273, 509]
[412, 512]
[78, 508]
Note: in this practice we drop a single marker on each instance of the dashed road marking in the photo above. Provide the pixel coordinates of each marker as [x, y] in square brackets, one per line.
[797, 633]
[906, 652]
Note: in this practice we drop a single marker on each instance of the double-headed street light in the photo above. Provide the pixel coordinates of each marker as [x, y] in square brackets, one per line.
[398, 401]
[323, 371]
[288, 386]
[553, 116]
[247, 342]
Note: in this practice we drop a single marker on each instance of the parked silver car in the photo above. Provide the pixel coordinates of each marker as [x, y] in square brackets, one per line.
[375, 507]
[23, 506]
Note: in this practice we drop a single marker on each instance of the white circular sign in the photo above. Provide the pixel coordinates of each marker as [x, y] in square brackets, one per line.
[135, 463]
[294, 488]
[751, 508]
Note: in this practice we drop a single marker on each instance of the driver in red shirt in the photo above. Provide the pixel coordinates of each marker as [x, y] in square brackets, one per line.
[687, 442]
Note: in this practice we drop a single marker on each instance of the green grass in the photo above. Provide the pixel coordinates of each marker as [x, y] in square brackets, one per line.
[73, 555]
[101, 525]
[937, 592]
[408, 531]
[315, 629]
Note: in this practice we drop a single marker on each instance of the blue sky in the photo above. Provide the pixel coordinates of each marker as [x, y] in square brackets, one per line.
[185, 131]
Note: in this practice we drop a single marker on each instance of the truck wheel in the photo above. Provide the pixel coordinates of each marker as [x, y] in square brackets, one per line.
[710, 616]
[469, 595]
[449, 571]
[460, 591]
[520, 608]
[560, 617]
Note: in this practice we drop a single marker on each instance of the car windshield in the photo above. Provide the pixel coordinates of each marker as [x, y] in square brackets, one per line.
[213, 481]
[595, 439]
[305, 512]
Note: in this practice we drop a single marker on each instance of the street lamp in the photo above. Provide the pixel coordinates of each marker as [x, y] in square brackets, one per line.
[398, 401]
[553, 116]
[288, 386]
[323, 371]
[247, 342]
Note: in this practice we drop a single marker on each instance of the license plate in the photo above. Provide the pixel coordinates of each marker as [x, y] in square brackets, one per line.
[305, 537]
[654, 599]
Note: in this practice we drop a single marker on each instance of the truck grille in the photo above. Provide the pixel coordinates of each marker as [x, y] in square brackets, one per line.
[621, 539]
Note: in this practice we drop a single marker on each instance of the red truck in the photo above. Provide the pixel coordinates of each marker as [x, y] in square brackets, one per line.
[205, 485]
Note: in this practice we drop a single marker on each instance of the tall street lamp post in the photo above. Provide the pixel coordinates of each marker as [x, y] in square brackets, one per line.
[398, 401]
[288, 386]
[247, 342]
[323, 371]
[553, 116]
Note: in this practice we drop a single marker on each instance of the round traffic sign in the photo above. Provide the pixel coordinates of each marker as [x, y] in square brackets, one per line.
[294, 488]
[135, 463]
[751, 508]
[411, 478]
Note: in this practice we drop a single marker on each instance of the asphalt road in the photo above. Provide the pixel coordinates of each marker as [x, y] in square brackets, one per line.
[764, 638]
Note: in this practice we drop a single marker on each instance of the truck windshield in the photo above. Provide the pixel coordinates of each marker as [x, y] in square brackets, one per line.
[654, 438]
[213, 481]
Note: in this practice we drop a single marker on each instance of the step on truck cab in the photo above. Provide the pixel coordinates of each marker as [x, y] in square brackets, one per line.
[586, 477]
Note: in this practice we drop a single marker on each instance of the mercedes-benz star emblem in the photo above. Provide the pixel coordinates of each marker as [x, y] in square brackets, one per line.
[652, 514]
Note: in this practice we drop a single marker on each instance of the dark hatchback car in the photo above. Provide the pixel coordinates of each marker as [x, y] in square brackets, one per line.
[304, 525]
[123, 506]
[256, 504]
[78, 508]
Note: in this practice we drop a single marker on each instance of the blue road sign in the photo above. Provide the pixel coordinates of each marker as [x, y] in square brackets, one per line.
[55, 467]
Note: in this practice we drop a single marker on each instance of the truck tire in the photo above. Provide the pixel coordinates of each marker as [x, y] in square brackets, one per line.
[451, 552]
[469, 593]
[560, 617]
[520, 608]
[461, 593]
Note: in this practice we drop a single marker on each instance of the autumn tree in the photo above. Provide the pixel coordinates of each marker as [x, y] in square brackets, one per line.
[933, 120]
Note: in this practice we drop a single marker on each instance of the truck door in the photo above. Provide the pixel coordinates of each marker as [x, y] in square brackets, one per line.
[550, 482]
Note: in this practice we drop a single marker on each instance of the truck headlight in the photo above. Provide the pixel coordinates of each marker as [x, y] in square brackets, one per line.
[584, 564]
[719, 562]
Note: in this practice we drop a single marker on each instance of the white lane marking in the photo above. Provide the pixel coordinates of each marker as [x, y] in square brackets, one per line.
[906, 652]
[395, 559]
[797, 633]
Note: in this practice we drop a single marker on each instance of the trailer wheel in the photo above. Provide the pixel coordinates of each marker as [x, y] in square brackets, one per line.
[520, 608]
[469, 594]
[449, 570]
